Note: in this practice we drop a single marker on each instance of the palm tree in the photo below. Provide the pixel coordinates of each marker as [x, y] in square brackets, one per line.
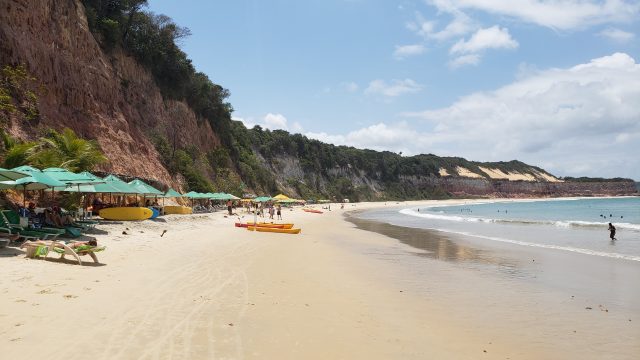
[67, 150]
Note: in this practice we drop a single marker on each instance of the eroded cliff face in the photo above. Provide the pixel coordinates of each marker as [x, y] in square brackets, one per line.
[107, 97]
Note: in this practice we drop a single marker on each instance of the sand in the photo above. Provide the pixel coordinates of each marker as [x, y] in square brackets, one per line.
[208, 290]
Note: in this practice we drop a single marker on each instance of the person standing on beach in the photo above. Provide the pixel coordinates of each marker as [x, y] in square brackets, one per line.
[279, 211]
[612, 232]
[230, 207]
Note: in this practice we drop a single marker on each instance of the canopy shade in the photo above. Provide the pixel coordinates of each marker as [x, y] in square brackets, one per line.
[286, 201]
[121, 186]
[262, 199]
[281, 197]
[69, 177]
[36, 180]
[195, 195]
[144, 188]
[172, 193]
[10, 175]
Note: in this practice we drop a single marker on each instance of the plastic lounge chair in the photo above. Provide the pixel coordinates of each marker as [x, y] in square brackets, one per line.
[63, 249]
[16, 228]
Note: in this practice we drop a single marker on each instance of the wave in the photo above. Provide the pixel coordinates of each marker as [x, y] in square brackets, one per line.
[547, 246]
[559, 223]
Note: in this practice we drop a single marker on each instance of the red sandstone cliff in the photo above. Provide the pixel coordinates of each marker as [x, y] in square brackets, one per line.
[109, 98]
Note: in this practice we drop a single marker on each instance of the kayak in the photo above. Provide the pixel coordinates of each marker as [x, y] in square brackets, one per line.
[274, 230]
[126, 213]
[313, 211]
[267, 225]
[156, 213]
[177, 210]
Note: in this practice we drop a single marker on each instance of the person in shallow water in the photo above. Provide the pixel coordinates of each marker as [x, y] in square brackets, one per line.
[612, 231]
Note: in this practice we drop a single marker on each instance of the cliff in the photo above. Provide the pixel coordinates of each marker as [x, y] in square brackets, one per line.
[109, 98]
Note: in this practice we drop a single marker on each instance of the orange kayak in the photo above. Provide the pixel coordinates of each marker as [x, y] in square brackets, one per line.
[313, 211]
[274, 230]
[267, 225]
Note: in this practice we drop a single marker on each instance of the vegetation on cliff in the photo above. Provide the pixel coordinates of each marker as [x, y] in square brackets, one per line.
[55, 149]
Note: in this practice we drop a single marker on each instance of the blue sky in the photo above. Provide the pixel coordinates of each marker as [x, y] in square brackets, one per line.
[554, 83]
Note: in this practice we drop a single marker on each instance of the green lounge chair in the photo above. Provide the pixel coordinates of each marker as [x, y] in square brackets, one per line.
[63, 249]
[11, 228]
[9, 219]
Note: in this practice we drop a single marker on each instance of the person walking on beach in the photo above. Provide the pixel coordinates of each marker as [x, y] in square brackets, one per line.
[279, 211]
[230, 207]
[612, 232]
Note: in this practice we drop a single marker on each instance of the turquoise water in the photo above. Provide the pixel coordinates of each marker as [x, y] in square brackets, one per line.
[575, 225]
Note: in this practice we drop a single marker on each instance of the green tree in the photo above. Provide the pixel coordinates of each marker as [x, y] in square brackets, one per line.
[68, 151]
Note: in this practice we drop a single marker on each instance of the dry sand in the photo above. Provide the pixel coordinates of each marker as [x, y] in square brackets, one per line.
[208, 290]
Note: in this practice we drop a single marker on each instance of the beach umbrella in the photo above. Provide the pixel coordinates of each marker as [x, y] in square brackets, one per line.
[10, 175]
[37, 180]
[262, 199]
[281, 197]
[121, 186]
[172, 193]
[145, 188]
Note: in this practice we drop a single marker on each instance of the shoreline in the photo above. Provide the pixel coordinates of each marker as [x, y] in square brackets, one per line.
[209, 290]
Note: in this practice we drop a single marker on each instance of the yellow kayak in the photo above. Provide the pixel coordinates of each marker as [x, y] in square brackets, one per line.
[272, 225]
[274, 230]
[177, 210]
[126, 213]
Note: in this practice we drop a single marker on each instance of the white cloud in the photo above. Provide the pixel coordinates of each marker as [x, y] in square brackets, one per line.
[617, 35]
[494, 37]
[403, 51]
[582, 120]
[460, 25]
[393, 89]
[376, 137]
[272, 122]
[469, 59]
[557, 14]
[275, 121]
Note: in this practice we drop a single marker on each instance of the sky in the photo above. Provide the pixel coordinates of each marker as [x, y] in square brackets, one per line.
[553, 83]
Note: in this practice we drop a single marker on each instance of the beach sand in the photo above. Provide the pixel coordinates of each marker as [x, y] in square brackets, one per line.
[208, 290]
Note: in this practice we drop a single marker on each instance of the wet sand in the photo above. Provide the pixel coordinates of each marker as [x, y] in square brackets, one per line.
[208, 290]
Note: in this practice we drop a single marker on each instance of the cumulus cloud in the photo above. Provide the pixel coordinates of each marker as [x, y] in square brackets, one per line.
[272, 122]
[393, 89]
[469, 59]
[617, 35]
[404, 51]
[582, 120]
[376, 137]
[460, 25]
[494, 37]
[557, 14]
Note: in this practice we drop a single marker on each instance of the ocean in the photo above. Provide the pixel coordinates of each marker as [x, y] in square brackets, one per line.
[569, 225]
[543, 271]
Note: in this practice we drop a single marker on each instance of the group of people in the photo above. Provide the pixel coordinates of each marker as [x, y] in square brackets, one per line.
[261, 209]
[50, 216]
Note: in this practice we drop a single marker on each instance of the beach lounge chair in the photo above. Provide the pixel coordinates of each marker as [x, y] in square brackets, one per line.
[15, 228]
[64, 249]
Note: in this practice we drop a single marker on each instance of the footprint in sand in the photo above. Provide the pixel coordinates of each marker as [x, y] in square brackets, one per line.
[21, 300]
[15, 339]
[45, 291]
[70, 296]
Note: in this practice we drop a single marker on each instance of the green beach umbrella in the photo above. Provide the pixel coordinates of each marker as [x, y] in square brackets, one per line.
[145, 188]
[262, 199]
[172, 193]
[121, 186]
[37, 180]
[10, 175]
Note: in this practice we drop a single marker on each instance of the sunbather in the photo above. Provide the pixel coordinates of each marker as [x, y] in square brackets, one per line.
[73, 245]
